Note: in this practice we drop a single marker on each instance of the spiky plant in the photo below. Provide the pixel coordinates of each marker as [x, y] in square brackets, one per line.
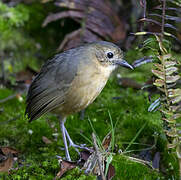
[167, 75]
[165, 68]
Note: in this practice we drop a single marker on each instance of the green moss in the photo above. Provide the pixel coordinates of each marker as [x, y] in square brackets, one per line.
[127, 169]
[16, 46]
[78, 175]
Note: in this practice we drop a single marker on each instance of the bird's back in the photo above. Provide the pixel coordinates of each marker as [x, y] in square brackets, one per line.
[49, 87]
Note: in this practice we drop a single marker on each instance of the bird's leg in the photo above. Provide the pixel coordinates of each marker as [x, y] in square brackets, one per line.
[71, 143]
[62, 127]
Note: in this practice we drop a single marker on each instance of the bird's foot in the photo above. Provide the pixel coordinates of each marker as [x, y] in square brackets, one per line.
[72, 144]
[81, 146]
[66, 137]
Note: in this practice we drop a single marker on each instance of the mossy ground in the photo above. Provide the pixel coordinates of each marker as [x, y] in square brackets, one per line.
[128, 112]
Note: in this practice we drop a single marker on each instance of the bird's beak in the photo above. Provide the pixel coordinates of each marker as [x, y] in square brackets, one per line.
[123, 63]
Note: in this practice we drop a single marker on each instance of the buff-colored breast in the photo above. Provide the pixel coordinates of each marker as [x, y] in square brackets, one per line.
[87, 85]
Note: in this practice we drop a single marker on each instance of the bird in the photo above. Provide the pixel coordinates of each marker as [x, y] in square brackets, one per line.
[72, 80]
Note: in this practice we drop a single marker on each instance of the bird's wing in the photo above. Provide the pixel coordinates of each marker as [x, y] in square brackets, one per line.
[49, 87]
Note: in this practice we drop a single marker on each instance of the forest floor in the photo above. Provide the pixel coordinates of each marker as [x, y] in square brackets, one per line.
[137, 133]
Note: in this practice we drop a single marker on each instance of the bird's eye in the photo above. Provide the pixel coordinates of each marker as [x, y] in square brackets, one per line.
[110, 55]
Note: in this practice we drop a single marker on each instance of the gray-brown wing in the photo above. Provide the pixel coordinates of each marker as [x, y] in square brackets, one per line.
[50, 85]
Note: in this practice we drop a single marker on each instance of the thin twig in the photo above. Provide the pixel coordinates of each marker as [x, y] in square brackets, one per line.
[143, 2]
[98, 156]
[163, 19]
[144, 10]
[147, 163]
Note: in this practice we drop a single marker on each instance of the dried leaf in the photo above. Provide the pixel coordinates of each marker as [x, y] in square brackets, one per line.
[6, 165]
[111, 172]
[65, 166]
[159, 82]
[46, 140]
[90, 164]
[106, 143]
[8, 153]
[8, 150]
[159, 74]
[172, 79]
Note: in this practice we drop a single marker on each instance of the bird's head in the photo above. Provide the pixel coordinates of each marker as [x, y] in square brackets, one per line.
[109, 55]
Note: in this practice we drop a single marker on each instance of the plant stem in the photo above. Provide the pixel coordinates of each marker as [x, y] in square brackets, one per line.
[163, 19]
[98, 156]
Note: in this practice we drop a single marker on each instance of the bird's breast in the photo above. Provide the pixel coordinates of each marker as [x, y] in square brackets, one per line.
[87, 85]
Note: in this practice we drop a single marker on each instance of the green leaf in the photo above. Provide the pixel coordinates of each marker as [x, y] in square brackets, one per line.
[108, 162]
